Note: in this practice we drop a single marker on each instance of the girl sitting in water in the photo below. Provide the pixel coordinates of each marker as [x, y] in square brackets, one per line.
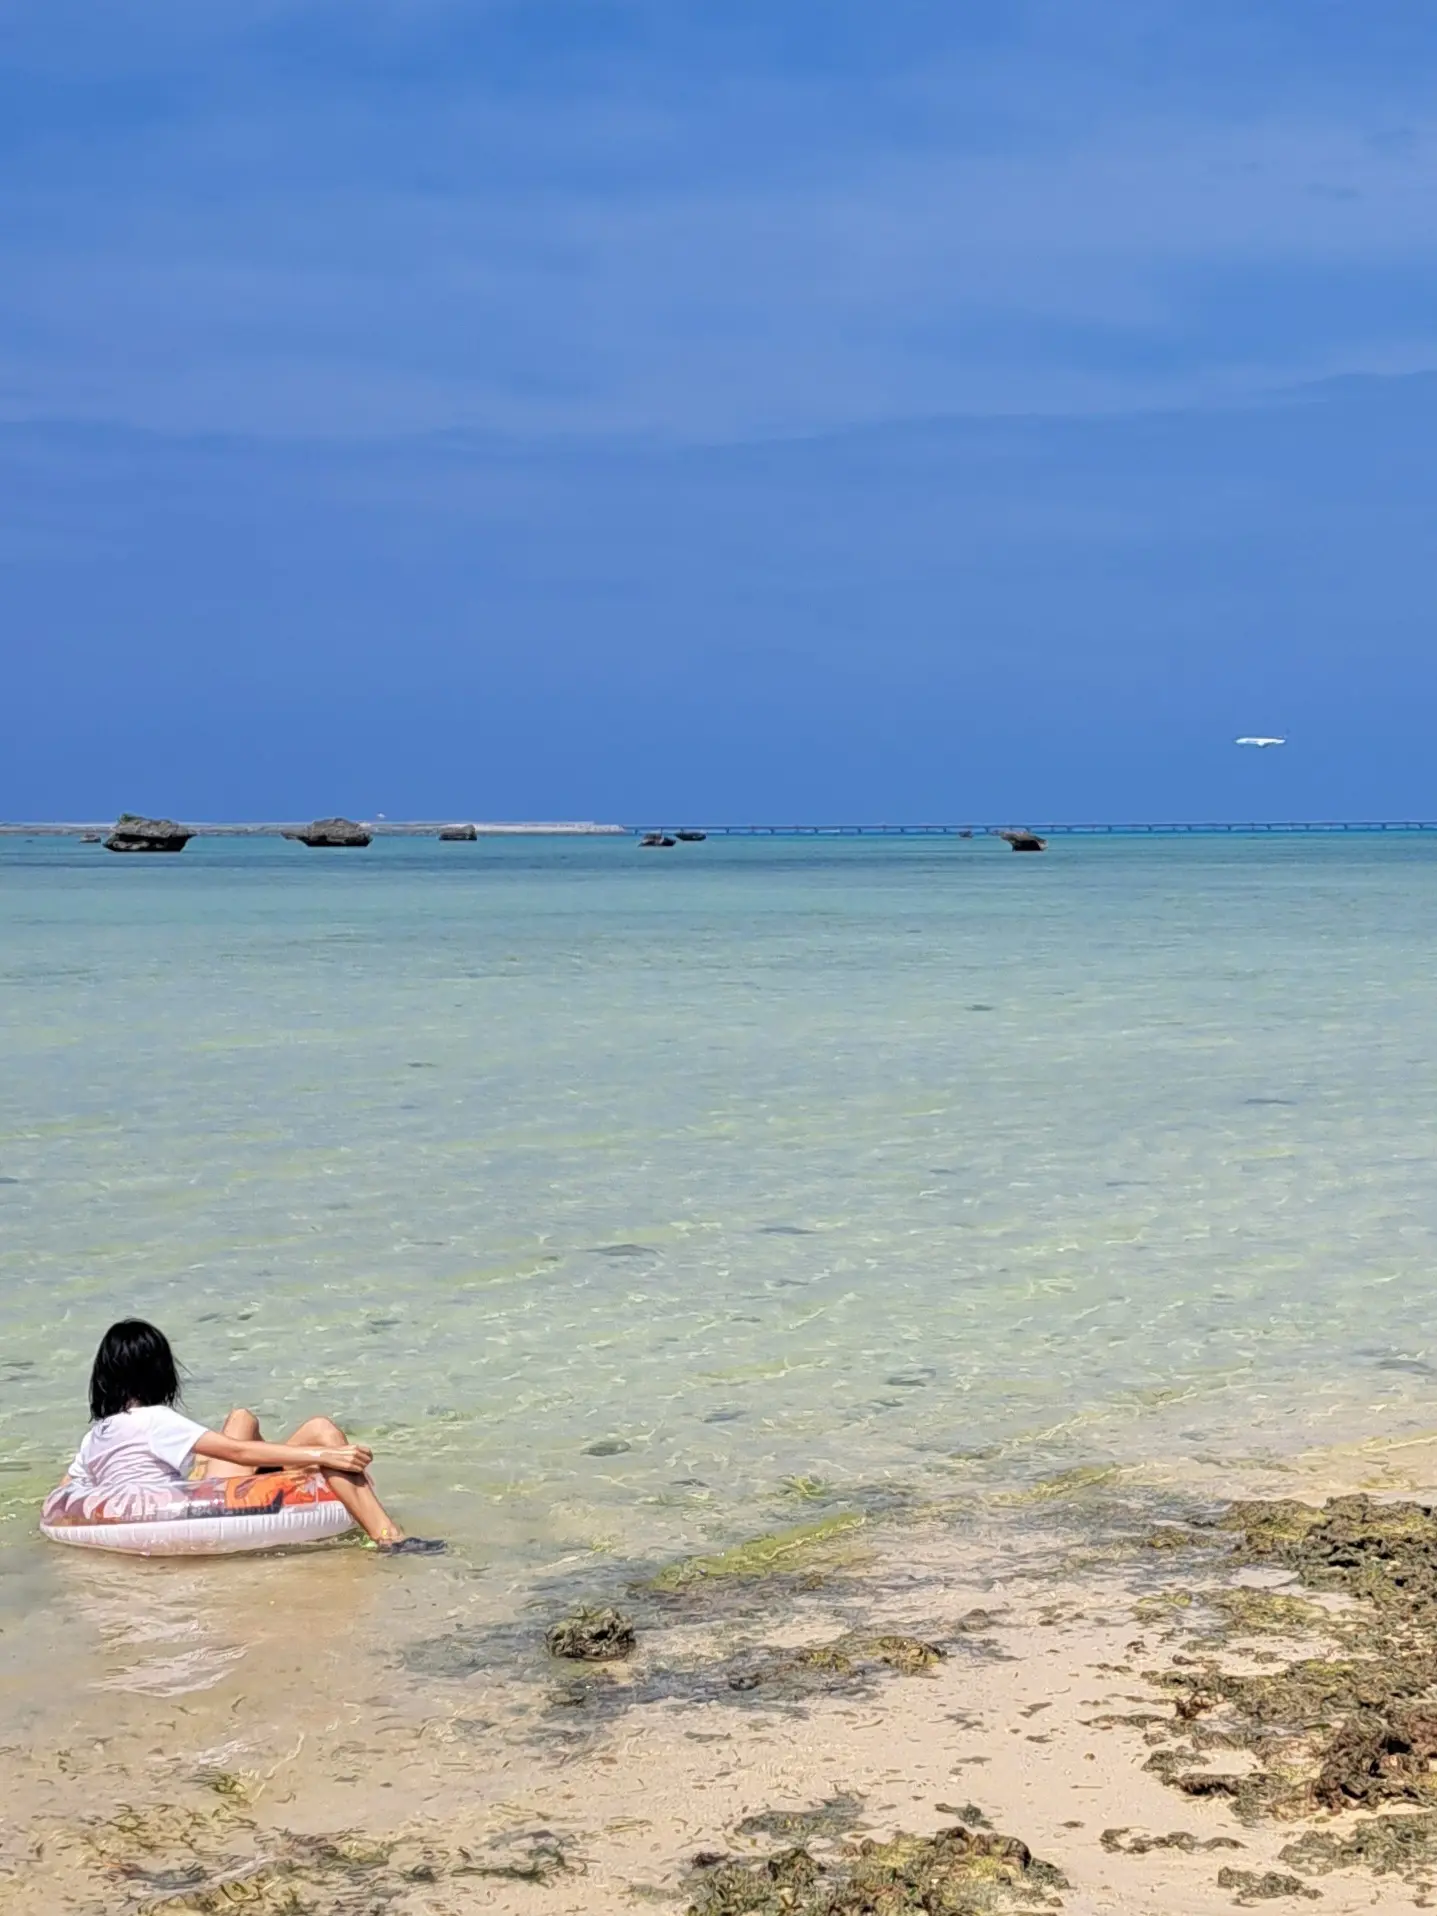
[139, 1442]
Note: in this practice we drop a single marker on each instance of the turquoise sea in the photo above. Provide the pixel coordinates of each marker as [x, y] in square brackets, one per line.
[612, 1194]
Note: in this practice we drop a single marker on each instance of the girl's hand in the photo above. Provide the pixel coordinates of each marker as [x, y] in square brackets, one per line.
[353, 1459]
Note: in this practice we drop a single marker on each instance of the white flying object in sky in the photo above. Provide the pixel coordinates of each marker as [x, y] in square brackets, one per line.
[1262, 741]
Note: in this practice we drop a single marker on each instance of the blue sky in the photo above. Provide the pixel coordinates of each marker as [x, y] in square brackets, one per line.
[648, 408]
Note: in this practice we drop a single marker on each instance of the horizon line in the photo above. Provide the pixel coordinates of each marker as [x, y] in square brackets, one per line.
[587, 828]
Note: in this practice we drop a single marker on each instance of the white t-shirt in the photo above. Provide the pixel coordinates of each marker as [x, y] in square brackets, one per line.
[149, 1448]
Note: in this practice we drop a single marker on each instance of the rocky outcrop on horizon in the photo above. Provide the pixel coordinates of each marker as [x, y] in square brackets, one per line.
[458, 834]
[1025, 841]
[134, 833]
[331, 831]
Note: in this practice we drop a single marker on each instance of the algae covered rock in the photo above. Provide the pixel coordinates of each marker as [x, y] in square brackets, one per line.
[592, 1636]
[781, 1883]
[958, 1872]
[1380, 1758]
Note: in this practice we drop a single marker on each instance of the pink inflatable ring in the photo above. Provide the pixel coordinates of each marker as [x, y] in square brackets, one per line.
[208, 1516]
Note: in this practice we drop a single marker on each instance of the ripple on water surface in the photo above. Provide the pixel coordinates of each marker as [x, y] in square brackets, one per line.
[608, 1198]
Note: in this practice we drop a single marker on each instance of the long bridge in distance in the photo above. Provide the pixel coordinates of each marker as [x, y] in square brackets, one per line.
[1256, 827]
[428, 828]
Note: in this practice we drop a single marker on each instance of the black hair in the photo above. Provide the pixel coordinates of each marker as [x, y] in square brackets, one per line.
[134, 1365]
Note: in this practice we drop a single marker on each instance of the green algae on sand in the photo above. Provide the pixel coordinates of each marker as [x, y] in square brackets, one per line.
[1264, 1887]
[800, 1548]
[169, 1860]
[817, 1669]
[1386, 1552]
[909, 1656]
[1387, 1845]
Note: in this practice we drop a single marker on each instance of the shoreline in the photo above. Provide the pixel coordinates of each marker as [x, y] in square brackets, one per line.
[774, 1700]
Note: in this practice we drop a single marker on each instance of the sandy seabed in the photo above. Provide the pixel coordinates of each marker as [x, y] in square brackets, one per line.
[1029, 1667]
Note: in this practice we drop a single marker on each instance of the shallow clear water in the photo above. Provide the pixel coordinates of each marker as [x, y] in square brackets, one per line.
[849, 1160]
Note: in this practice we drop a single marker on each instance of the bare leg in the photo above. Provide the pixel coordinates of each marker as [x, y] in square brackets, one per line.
[244, 1425]
[356, 1493]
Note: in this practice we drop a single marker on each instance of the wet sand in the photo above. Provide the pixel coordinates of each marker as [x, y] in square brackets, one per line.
[334, 1734]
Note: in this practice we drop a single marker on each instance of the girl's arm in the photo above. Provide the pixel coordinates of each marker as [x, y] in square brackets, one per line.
[353, 1459]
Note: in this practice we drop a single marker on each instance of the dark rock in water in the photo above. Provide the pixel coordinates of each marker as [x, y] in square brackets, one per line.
[92, 838]
[592, 1636]
[458, 834]
[135, 834]
[331, 831]
[1025, 841]
[607, 1447]
[691, 838]
[652, 840]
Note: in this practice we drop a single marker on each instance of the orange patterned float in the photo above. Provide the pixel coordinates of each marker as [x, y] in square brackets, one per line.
[206, 1516]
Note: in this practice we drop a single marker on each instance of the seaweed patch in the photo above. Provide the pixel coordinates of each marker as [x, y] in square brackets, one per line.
[1126, 1842]
[1254, 1888]
[1387, 1845]
[958, 1872]
[822, 1668]
[183, 1862]
[1354, 1729]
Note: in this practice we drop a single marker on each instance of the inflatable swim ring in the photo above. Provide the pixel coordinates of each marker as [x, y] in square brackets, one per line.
[208, 1515]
